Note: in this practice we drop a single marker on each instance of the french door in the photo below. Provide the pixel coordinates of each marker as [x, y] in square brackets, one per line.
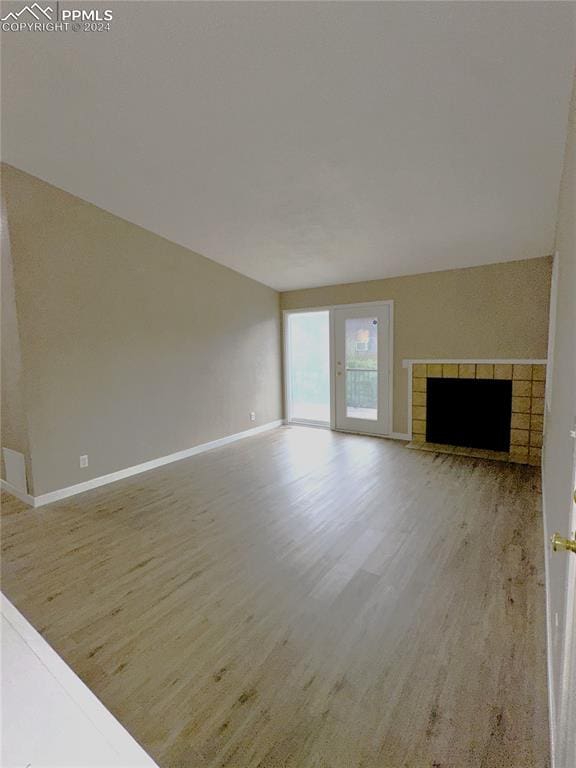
[361, 368]
[338, 364]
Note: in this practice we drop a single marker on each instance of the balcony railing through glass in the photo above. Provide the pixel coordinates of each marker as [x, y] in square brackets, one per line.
[362, 393]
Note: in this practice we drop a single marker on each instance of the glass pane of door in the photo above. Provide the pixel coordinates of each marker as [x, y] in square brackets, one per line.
[362, 361]
[361, 334]
[309, 366]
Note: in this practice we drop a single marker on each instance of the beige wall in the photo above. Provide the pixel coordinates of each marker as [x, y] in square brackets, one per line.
[493, 311]
[132, 347]
[559, 447]
[14, 432]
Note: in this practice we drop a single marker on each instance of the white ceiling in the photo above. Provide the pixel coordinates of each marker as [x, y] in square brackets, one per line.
[307, 143]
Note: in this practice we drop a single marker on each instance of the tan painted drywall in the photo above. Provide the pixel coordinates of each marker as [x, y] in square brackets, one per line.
[494, 311]
[14, 431]
[559, 448]
[132, 347]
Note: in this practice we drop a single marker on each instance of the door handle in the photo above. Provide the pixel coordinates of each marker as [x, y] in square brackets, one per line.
[559, 543]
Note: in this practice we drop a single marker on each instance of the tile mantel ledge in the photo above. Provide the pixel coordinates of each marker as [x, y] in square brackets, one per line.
[463, 360]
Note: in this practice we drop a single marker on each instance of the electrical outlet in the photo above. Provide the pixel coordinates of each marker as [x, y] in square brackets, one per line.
[84, 461]
[252, 416]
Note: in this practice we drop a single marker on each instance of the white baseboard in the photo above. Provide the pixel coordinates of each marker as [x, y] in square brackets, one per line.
[96, 482]
[13, 491]
[390, 435]
[399, 436]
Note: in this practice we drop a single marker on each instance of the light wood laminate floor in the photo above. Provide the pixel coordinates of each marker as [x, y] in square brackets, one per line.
[301, 598]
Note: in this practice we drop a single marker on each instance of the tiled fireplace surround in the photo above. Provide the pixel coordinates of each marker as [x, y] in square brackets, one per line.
[528, 382]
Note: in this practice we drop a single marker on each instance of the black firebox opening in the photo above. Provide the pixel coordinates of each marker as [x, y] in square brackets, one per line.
[474, 413]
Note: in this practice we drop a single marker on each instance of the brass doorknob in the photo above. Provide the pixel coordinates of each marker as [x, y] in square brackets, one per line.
[560, 543]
